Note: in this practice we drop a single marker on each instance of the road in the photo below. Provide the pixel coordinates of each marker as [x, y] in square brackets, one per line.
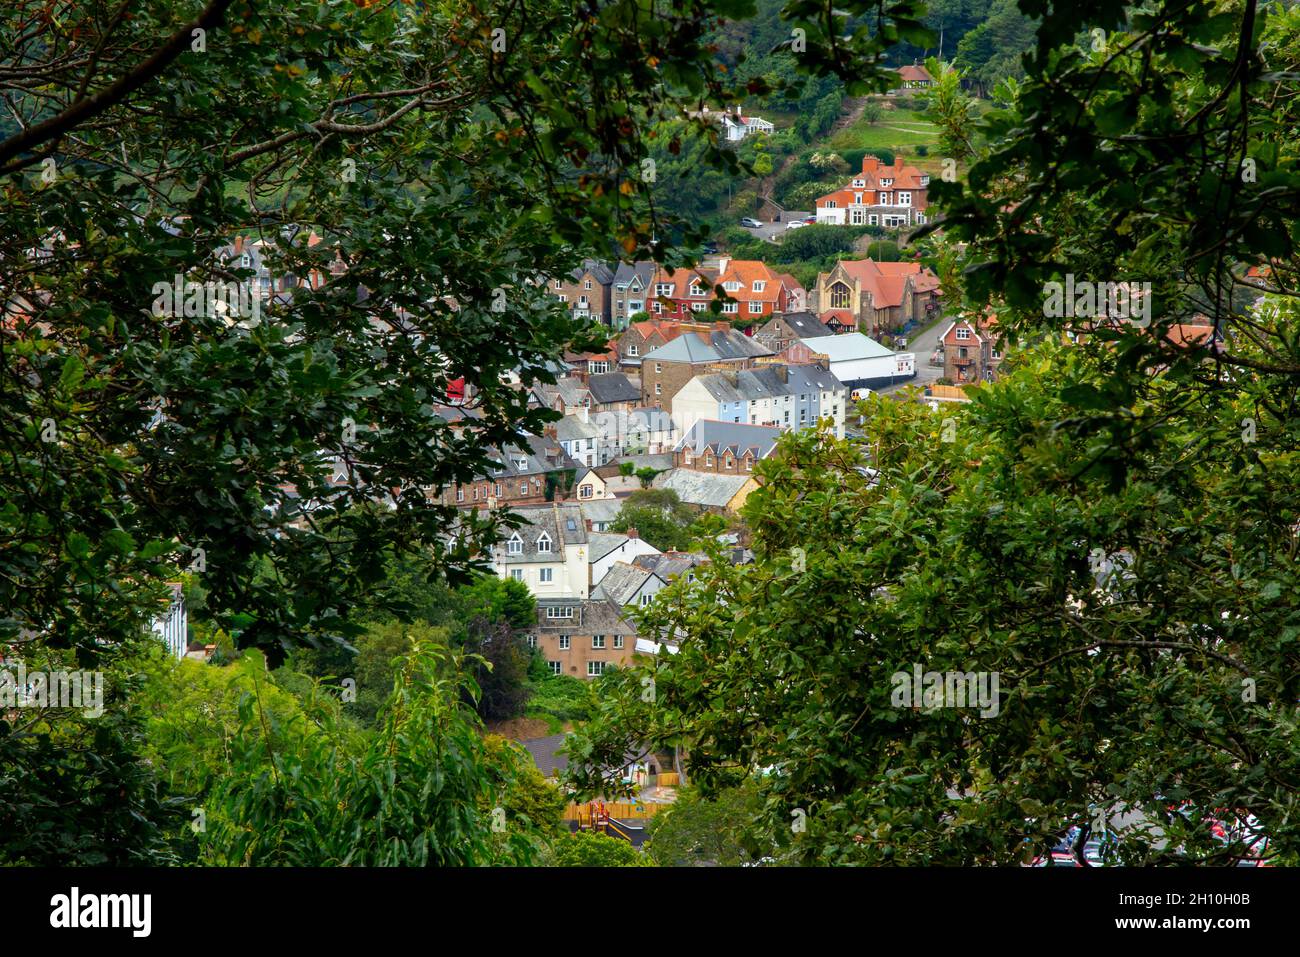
[768, 230]
[922, 346]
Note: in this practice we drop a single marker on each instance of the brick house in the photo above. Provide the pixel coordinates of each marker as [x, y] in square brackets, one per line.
[865, 296]
[534, 474]
[880, 195]
[971, 352]
[586, 291]
[665, 370]
[681, 293]
[787, 328]
[759, 291]
[641, 338]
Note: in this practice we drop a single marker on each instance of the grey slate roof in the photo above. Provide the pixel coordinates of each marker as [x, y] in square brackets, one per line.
[736, 436]
[670, 564]
[596, 616]
[723, 344]
[599, 271]
[571, 427]
[627, 271]
[562, 524]
[612, 387]
[600, 544]
[804, 325]
[659, 460]
[766, 381]
[539, 454]
[701, 488]
[601, 509]
[621, 582]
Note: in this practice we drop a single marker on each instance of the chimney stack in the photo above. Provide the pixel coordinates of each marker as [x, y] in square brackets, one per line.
[632, 533]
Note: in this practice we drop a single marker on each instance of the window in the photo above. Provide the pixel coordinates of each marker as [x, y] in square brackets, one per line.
[460, 494]
[663, 289]
[558, 284]
[634, 305]
[755, 308]
[731, 308]
[595, 668]
[698, 306]
[562, 297]
[839, 296]
[585, 491]
[689, 459]
[517, 574]
[523, 488]
[659, 367]
[659, 388]
[543, 543]
[708, 461]
[760, 285]
[857, 198]
[749, 464]
[555, 667]
[618, 641]
[498, 490]
[830, 204]
[646, 599]
[586, 284]
[559, 611]
[546, 576]
[564, 642]
[598, 641]
[904, 199]
[515, 546]
[531, 640]
[963, 333]
[731, 286]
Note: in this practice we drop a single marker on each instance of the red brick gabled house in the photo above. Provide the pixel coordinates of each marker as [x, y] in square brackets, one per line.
[971, 351]
[680, 293]
[759, 291]
[873, 298]
[880, 195]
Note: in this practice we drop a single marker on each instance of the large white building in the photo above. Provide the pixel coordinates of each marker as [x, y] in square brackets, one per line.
[862, 363]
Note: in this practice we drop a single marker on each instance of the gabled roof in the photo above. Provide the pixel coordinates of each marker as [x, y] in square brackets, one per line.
[738, 437]
[600, 544]
[746, 272]
[713, 345]
[612, 387]
[671, 564]
[571, 427]
[915, 74]
[599, 272]
[622, 582]
[766, 381]
[626, 272]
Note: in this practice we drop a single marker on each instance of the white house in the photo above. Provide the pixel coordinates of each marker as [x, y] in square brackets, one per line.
[626, 584]
[173, 626]
[548, 553]
[862, 363]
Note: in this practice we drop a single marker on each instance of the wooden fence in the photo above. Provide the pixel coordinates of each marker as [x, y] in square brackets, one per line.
[622, 810]
[948, 392]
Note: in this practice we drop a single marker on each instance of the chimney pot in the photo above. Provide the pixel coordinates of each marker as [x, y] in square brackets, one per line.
[632, 533]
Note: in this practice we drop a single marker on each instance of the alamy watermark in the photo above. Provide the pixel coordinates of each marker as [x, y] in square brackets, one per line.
[20, 688]
[233, 300]
[1128, 301]
[946, 689]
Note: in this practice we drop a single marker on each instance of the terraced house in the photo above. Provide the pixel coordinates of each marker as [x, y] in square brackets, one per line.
[630, 290]
[880, 195]
[586, 291]
[758, 290]
[786, 397]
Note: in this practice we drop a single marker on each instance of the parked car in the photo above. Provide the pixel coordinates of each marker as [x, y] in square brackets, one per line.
[811, 220]
[750, 222]
[795, 224]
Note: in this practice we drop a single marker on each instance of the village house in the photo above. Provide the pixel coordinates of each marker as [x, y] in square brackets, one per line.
[875, 298]
[643, 429]
[785, 329]
[531, 474]
[681, 293]
[971, 351]
[631, 285]
[548, 553]
[586, 291]
[579, 437]
[627, 584]
[914, 77]
[728, 447]
[582, 638]
[880, 195]
[665, 370]
[757, 289]
[647, 335]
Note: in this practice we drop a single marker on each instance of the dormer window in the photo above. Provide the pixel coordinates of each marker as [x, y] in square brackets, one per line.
[515, 545]
[521, 465]
[860, 183]
[586, 284]
[663, 289]
[886, 182]
[543, 543]
[759, 285]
